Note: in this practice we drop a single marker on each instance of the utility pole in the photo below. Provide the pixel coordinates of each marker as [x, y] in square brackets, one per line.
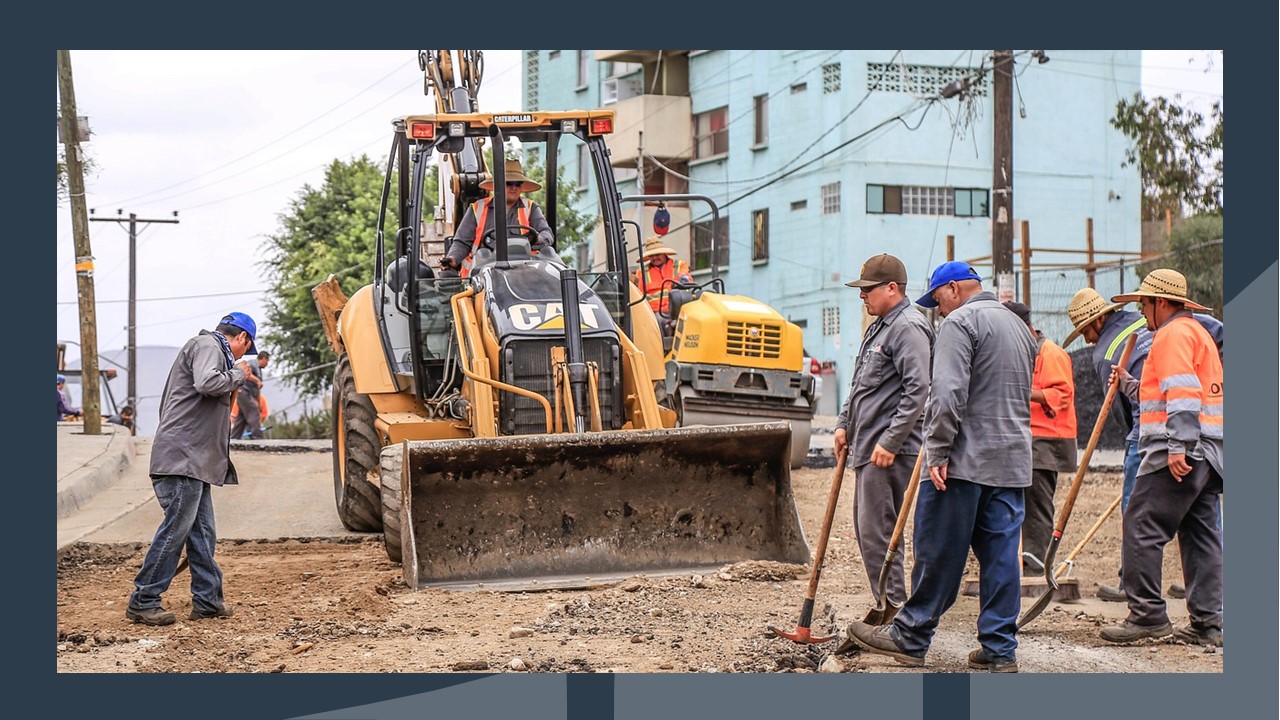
[133, 298]
[92, 400]
[1002, 175]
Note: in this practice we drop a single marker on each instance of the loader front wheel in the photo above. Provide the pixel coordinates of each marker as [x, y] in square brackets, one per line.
[355, 454]
[392, 460]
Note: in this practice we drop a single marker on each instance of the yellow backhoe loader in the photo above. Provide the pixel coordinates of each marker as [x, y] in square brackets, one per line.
[502, 430]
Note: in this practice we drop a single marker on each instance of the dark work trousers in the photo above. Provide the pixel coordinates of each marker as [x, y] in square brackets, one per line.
[1037, 528]
[250, 417]
[1160, 508]
[988, 519]
[875, 511]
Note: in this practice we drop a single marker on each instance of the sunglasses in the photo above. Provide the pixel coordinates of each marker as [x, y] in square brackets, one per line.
[515, 184]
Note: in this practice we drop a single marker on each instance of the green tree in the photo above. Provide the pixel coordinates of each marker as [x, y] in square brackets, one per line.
[573, 226]
[1195, 250]
[1178, 156]
[329, 229]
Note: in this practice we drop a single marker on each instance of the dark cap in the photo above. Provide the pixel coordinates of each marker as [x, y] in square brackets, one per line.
[881, 269]
[1022, 311]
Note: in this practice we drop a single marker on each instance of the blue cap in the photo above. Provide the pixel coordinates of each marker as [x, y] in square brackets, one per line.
[951, 271]
[61, 379]
[245, 323]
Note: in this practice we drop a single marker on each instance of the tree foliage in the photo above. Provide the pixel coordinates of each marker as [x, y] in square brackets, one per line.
[1195, 250]
[329, 229]
[1178, 156]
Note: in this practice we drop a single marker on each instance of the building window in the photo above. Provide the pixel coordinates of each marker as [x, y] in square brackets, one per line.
[702, 244]
[760, 235]
[831, 199]
[922, 80]
[582, 257]
[584, 167]
[799, 204]
[830, 321]
[711, 133]
[917, 200]
[972, 202]
[582, 69]
[831, 78]
[553, 54]
[762, 120]
[531, 72]
[799, 88]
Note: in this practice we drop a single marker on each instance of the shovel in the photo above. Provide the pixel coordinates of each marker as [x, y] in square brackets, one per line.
[802, 633]
[1043, 601]
[1068, 564]
[884, 612]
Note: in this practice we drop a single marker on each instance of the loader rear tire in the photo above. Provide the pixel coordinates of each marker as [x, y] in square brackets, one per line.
[355, 453]
[392, 459]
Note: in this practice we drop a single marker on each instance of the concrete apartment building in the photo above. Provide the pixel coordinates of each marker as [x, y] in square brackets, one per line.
[819, 159]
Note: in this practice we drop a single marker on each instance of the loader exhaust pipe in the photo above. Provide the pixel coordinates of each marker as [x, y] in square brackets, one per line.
[573, 347]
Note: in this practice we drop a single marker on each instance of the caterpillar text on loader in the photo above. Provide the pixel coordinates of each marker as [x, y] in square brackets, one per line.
[502, 429]
[733, 359]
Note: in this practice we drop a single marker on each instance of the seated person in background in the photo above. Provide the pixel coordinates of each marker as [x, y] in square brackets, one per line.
[124, 417]
[479, 219]
[64, 409]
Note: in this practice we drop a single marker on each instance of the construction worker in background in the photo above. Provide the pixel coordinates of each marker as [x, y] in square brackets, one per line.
[880, 426]
[523, 215]
[247, 422]
[977, 445]
[660, 271]
[1107, 326]
[1179, 484]
[1053, 440]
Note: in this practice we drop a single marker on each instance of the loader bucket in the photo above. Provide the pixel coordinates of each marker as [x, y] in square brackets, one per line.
[529, 512]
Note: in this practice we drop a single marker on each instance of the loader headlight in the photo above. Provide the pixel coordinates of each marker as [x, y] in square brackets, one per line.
[568, 127]
[457, 129]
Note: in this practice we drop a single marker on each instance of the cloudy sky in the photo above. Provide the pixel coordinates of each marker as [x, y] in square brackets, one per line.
[228, 138]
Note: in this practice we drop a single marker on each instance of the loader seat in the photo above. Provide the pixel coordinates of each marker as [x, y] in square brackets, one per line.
[398, 273]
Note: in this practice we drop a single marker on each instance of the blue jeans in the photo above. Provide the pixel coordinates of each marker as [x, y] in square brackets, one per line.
[188, 521]
[988, 519]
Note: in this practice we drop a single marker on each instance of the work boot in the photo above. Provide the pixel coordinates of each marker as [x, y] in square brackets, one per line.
[150, 616]
[1112, 593]
[1196, 634]
[1177, 591]
[879, 639]
[980, 660]
[1127, 632]
[222, 611]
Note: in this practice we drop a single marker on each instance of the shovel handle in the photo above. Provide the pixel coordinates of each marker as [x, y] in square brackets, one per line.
[832, 499]
[1089, 535]
[1076, 482]
[899, 527]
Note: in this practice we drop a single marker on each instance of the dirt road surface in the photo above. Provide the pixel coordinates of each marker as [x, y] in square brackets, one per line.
[311, 597]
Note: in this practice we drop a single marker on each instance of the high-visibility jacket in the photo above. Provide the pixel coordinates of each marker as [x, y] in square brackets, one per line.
[480, 209]
[651, 281]
[1180, 396]
[1052, 375]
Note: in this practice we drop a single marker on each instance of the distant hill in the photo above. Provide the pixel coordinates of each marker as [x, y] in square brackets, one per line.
[154, 362]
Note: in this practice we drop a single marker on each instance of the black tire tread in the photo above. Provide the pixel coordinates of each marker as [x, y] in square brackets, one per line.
[358, 498]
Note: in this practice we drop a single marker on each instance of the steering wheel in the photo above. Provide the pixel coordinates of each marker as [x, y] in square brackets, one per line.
[487, 239]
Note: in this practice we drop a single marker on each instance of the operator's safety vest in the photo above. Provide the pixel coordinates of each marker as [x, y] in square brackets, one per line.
[651, 280]
[480, 210]
[1181, 378]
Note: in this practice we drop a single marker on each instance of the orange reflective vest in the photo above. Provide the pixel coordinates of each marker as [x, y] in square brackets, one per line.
[1052, 375]
[1180, 396]
[480, 209]
[652, 280]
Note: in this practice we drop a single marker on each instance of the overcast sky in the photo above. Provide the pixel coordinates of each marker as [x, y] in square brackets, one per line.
[228, 138]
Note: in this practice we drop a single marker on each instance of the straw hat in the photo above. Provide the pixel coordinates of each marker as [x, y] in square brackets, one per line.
[1161, 283]
[1086, 306]
[653, 246]
[514, 173]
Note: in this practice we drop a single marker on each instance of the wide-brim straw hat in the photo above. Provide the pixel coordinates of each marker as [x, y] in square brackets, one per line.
[1086, 306]
[653, 246]
[514, 172]
[1161, 283]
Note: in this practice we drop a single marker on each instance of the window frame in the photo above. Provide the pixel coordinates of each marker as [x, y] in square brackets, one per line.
[830, 194]
[711, 135]
[760, 106]
[700, 243]
[760, 235]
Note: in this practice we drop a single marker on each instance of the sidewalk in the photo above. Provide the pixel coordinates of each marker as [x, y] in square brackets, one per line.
[86, 464]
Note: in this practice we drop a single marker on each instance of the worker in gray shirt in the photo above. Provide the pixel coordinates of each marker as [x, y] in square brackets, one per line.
[880, 425]
[977, 444]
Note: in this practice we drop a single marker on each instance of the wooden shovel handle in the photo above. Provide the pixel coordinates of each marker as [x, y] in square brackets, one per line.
[833, 499]
[1093, 439]
[907, 499]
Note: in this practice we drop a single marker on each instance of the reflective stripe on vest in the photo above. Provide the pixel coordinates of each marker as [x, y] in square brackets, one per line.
[652, 287]
[480, 209]
[1120, 337]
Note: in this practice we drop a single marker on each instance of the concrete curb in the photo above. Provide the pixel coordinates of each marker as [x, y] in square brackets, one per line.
[283, 446]
[79, 486]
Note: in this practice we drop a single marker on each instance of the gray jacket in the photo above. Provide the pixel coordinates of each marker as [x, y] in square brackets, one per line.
[194, 436]
[890, 385]
[978, 418]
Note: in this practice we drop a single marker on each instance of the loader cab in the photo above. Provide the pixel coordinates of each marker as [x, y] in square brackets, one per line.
[415, 303]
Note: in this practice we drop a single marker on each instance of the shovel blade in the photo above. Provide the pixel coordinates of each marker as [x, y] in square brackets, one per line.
[882, 614]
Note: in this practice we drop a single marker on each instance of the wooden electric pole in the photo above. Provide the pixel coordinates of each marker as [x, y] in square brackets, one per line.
[133, 298]
[70, 125]
[1002, 175]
